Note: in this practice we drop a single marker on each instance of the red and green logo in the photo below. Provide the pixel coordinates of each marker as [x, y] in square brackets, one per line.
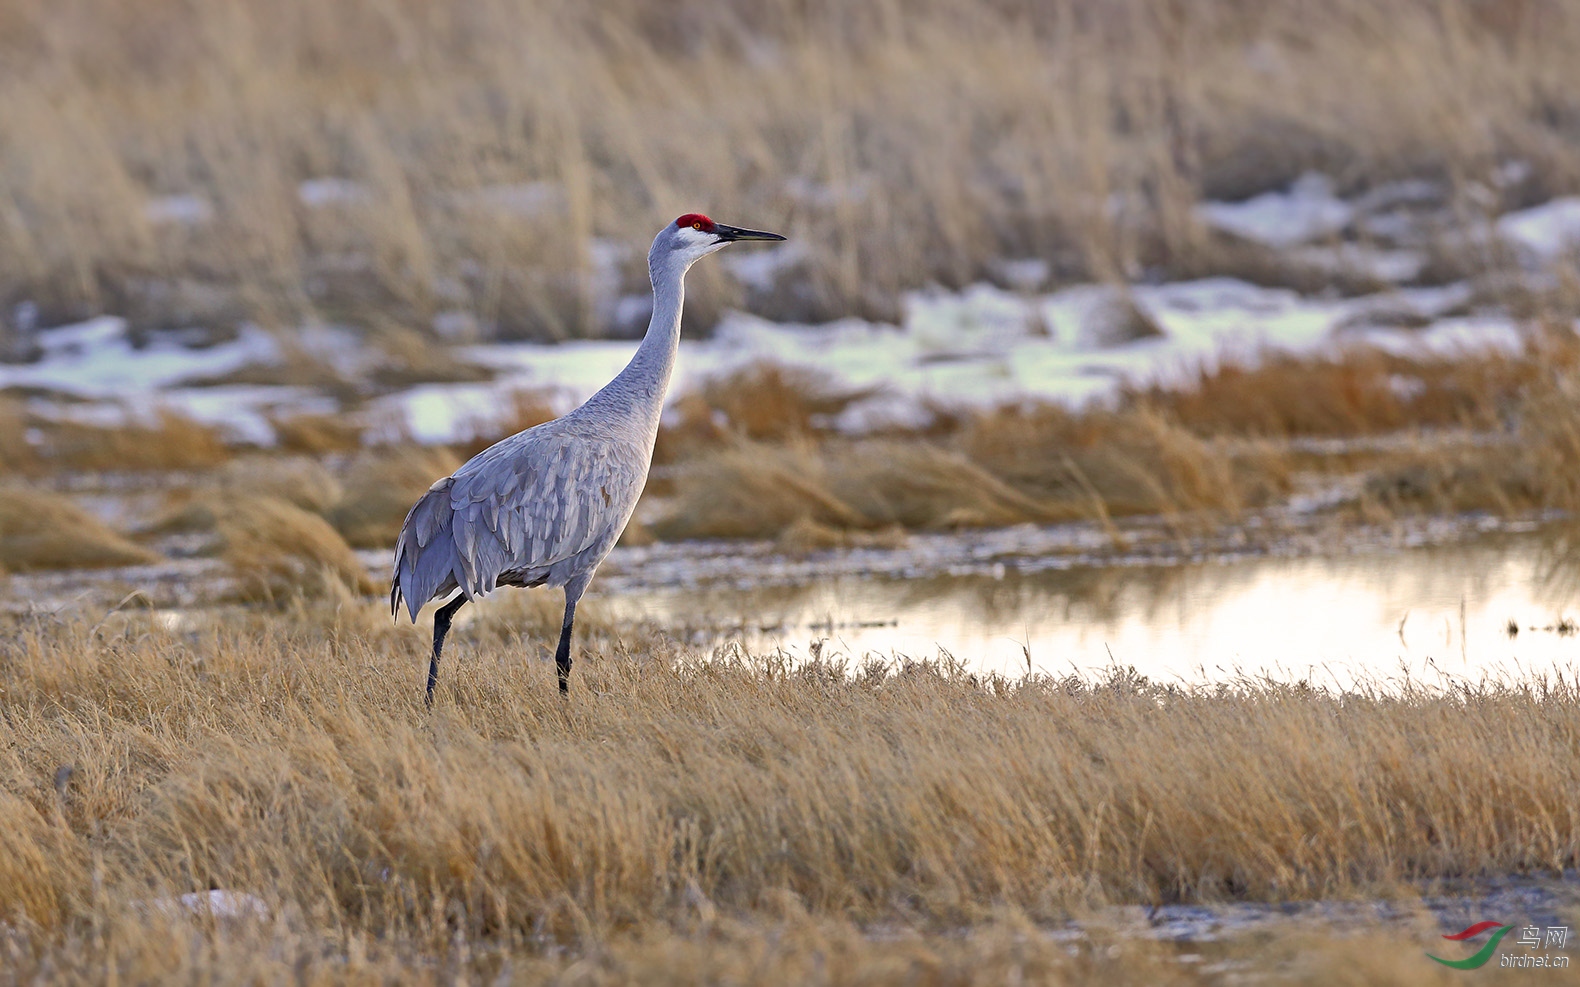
[1483, 954]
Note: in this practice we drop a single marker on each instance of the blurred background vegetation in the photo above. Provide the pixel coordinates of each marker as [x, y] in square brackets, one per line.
[379, 162]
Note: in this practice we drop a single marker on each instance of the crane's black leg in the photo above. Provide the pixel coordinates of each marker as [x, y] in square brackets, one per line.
[441, 627]
[562, 654]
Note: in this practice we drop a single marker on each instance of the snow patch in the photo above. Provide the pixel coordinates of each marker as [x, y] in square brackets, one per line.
[96, 358]
[218, 903]
[1392, 266]
[1307, 211]
[178, 210]
[316, 193]
[980, 319]
[760, 269]
[1543, 233]
[976, 348]
[438, 413]
[1025, 274]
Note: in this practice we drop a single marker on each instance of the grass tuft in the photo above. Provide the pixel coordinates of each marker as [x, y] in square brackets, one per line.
[44, 531]
[172, 442]
[752, 491]
[381, 486]
[297, 480]
[279, 551]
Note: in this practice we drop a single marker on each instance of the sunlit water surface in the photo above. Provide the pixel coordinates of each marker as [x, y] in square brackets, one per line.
[1495, 608]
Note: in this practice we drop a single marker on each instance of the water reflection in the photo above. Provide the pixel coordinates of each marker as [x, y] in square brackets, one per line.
[1438, 614]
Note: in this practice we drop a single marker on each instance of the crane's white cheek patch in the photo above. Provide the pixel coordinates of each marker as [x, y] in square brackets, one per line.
[697, 243]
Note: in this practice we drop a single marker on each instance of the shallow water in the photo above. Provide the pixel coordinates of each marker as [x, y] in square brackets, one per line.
[1499, 606]
[1546, 901]
[1284, 595]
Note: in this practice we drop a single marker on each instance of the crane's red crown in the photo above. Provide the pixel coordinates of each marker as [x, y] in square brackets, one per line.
[696, 221]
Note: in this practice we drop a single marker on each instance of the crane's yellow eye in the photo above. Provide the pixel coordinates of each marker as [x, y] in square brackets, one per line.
[696, 226]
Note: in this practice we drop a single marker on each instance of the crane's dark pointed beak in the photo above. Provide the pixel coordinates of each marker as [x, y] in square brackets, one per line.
[729, 233]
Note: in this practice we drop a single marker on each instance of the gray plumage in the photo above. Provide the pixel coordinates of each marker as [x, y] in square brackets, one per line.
[544, 507]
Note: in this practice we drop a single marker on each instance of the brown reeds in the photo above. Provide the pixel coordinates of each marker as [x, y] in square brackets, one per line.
[1009, 466]
[171, 442]
[1486, 430]
[770, 403]
[381, 485]
[297, 480]
[1359, 390]
[293, 760]
[279, 552]
[17, 455]
[753, 491]
[41, 530]
[316, 435]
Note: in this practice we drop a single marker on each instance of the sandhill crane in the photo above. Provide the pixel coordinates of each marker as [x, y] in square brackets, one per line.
[544, 506]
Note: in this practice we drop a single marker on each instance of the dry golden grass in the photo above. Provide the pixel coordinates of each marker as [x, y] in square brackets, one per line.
[1549, 439]
[381, 486]
[1477, 431]
[919, 485]
[45, 531]
[408, 357]
[1360, 391]
[1485, 430]
[298, 480]
[722, 812]
[280, 552]
[1521, 459]
[752, 491]
[491, 142]
[16, 455]
[769, 403]
[1010, 466]
[1130, 462]
[316, 435]
[172, 442]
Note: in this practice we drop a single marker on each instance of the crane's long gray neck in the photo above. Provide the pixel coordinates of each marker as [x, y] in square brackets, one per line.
[639, 389]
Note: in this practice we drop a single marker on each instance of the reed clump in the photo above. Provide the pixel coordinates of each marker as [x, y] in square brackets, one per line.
[17, 455]
[293, 760]
[1483, 430]
[380, 486]
[169, 442]
[748, 490]
[1486, 430]
[316, 435]
[41, 530]
[1358, 391]
[1007, 466]
[278, 551]
[300, 480]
